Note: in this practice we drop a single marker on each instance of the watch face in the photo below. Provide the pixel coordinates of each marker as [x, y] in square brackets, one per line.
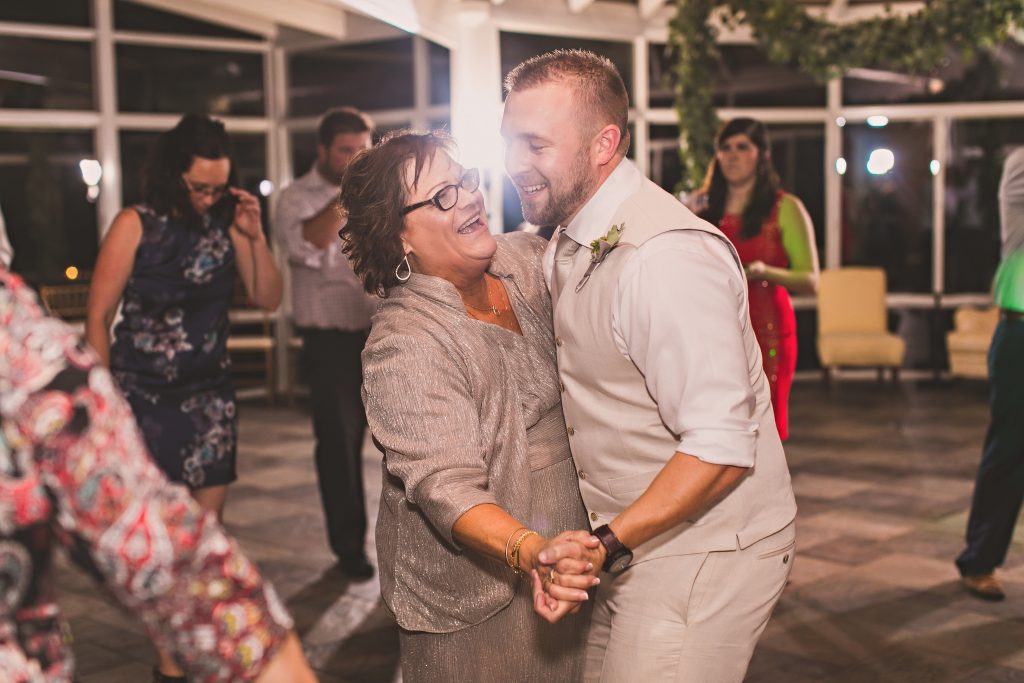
[620, 562]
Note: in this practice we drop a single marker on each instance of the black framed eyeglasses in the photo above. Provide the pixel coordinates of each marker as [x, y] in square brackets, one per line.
[448, 196]
[215, 192]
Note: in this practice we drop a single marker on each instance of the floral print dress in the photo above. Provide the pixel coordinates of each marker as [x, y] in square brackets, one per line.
[74, 472]
[169, 353]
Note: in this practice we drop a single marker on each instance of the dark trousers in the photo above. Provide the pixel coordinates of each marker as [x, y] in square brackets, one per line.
[334, 372]
[999, 488]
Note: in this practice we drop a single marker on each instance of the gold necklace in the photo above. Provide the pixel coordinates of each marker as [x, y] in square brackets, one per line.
[491, 308]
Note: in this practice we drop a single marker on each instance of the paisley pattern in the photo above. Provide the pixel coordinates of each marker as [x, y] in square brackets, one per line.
[74, 470]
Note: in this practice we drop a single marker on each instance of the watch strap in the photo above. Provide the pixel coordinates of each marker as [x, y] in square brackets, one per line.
[611, 543]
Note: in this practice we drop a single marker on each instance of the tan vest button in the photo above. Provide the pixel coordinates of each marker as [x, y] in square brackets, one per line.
[583, 475]
[593, 516]
[571, 431]
[558, 341]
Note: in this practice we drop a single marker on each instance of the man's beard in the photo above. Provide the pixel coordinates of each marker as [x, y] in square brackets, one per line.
[561, 205]
[329, 174]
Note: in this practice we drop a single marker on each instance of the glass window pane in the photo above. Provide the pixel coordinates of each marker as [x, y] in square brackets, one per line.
[248, 149]
[66, 12]
[977, 149]
[518, 47]
[744, 78]
[664, 164]
[303, 151]
[304, 144]
[440, 74]
[131, 16]
[50, 219]
[367, 75]
[441, 124]
[887, 210]
[993, 74]
[45, 74]
[798, 152]
[173, 80]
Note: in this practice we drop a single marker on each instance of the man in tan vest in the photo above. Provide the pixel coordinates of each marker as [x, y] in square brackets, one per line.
[666, 404]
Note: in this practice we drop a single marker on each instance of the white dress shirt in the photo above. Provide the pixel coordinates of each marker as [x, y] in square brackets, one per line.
[326, 293]
[678, 314]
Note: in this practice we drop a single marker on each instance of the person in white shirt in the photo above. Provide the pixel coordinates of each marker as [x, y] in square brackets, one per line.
[667, 407]
[332, 313]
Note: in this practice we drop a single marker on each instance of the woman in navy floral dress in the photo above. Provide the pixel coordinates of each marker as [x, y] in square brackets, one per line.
[171, 263]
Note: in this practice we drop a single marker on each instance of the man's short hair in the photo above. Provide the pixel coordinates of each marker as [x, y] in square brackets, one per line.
[342, 120]
[599, 89]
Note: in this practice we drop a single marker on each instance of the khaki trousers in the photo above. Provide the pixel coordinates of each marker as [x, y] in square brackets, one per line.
[688, 618]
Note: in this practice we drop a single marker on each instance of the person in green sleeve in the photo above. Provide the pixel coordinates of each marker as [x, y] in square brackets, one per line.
[999, 487]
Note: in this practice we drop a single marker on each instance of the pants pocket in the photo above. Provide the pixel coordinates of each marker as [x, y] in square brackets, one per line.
[784, 550]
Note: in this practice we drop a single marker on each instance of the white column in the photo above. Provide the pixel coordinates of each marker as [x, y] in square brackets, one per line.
[280, 173]
[420, 82]
[108, 146]
[641, 97]
[940, 153]
[833, 181]
[477, 101]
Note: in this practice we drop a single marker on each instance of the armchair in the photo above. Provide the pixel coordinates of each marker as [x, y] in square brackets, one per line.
[852, 322]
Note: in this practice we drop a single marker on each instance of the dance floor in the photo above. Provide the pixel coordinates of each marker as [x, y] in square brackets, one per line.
[883, 476]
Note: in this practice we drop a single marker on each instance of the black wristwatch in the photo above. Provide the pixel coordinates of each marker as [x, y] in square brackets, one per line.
[618, 556]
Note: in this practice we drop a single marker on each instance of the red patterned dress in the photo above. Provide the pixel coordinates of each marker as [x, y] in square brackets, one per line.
[74, 471]
[771, 310]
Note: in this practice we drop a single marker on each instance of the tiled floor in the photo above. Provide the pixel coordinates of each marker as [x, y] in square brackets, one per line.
[883, 476]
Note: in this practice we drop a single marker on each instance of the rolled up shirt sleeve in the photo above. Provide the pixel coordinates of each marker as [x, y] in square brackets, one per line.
[292, 211]
[678, 314]
[431, 435]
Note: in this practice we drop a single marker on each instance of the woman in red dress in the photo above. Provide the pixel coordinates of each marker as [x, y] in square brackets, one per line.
[775, 240]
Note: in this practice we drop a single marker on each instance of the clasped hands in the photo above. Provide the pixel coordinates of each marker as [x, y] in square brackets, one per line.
[565, 568]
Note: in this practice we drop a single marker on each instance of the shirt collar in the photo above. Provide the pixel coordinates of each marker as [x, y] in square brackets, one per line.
[590, 223]
[317, 181]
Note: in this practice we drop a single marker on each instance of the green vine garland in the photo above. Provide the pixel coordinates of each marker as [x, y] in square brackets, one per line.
[914, 44]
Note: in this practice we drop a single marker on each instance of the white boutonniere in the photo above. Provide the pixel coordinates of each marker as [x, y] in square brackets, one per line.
[599, 250]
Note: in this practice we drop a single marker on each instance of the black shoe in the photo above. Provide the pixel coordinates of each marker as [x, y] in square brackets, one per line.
[159, 677]
[356, 567]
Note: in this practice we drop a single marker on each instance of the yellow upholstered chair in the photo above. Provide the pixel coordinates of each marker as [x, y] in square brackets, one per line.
[969, 340]
[852, 327]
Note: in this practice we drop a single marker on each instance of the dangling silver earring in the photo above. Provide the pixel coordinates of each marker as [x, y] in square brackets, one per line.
[408, 270]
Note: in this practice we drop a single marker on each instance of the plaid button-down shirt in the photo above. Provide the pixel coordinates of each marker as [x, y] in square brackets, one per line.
[326, 294]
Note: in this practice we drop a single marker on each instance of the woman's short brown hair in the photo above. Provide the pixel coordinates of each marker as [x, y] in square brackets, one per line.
[373, 193]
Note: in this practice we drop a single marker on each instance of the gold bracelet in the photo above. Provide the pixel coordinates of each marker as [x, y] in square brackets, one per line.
[516, 547]
[508, 543]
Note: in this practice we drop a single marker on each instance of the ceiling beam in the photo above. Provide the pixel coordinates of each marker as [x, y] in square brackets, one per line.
[325, 18]
[648, 8]
[602, 21]
[213, 13]
[577, 6]
[431, 19]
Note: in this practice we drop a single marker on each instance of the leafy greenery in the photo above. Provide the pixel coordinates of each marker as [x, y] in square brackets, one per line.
[913, 44]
